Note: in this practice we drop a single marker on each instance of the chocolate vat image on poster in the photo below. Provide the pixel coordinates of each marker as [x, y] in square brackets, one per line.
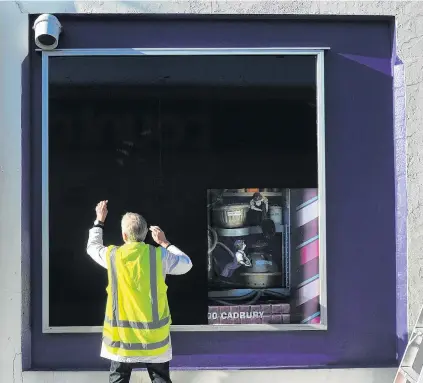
[263, 256]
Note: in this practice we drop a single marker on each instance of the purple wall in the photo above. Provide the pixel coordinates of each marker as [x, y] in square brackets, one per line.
[360, 173]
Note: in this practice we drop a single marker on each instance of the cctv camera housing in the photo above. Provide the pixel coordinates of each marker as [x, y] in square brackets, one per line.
[47, 31]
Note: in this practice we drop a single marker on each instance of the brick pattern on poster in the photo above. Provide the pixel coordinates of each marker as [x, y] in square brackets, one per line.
[250, 314]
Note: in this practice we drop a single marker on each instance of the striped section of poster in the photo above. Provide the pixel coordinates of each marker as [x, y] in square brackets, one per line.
[306, 251]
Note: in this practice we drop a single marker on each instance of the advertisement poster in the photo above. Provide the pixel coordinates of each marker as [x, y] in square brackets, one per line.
[257, 237]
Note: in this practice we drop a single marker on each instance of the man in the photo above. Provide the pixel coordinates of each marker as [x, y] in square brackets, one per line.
[136, 330]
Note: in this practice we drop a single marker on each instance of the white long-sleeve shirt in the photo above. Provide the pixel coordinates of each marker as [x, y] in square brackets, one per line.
[174, 262]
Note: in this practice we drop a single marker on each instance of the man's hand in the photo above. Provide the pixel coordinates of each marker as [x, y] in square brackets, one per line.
[101, 210]
[158, 236]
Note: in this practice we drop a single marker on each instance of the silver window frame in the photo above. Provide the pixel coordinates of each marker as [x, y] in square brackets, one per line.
[320, 86]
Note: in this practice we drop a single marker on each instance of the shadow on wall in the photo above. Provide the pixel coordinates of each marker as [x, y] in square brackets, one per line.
[316, 376]
[401, 346]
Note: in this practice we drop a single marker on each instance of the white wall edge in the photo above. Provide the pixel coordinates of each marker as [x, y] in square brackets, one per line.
[368, 375]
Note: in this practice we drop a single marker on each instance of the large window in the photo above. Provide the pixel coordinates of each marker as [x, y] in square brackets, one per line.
[178, 136]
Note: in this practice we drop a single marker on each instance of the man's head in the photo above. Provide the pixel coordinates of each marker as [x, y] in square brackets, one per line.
[134, 228]
[240, 244]
[257, 196]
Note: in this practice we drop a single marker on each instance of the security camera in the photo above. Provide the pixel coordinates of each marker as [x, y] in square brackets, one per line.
[47, 30]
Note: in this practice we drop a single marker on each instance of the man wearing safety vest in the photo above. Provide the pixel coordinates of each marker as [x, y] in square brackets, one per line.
[136, 330]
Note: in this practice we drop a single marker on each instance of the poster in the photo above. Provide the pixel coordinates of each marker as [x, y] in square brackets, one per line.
[263, 256]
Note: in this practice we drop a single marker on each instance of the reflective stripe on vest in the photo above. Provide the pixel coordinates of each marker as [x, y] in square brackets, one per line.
[136, 346]
[155, 324]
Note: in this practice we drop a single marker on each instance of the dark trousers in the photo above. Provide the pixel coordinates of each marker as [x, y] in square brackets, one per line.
[121, 372]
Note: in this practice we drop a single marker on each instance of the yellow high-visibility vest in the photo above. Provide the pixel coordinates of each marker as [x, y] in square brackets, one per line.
[137, 321]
